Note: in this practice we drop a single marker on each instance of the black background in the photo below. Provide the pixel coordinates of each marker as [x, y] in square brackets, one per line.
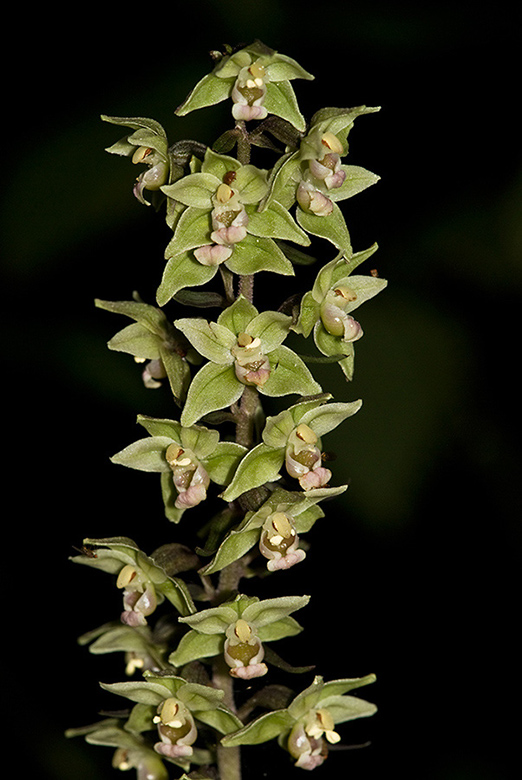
[414, 573]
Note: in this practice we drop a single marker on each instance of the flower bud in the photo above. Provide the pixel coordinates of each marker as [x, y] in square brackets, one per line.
[279, 542]
[139, 596]
[244, 651]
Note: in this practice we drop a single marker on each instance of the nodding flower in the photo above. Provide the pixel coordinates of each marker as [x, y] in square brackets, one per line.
[139, 596]
[303, 459]
[176, 729]
[248, 93]
[244, 651]
[334, 317]
[252, 367]
[306, 743]
[279, 542]
[190, 478]
[155, 175]
[311, 199]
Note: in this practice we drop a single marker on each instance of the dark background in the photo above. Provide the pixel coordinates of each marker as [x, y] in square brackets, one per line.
[414, 573]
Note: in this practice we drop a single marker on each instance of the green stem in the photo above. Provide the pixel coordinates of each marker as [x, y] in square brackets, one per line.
[246, 416]
[228, 758]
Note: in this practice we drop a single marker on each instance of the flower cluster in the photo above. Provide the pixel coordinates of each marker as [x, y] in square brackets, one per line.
[241, 470]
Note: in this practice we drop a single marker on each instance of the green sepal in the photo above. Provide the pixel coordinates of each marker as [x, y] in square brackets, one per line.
[214, 620]
[326, 417]
[331, 227]
[272, 327]
[192, 231]
[357, 180]
[193, 646]
[195, 190]
[209, 91]
[281, 101]
[264, 728]
[210, 339]
[221, 719]
[143, 692]
[182, 270]
[283, 181]
[308, 314]
[213, 387]
[288, 375]
[254, 254]
[144, 454]
[222, 464]
[260, 465]
[236, 544]
[276, 222]
[147, 132]
[334, 345]
[115, 637]
[238, 315]
[262, 613]
[319, 691]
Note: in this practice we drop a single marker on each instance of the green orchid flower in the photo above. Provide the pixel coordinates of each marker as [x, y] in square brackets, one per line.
[144, 581]
[237, 630]
[173, 707]
[131, 750]
[275, 527]
[314, 176]
[219, 224]
[187, 457]
[292, 438]
[153, 341]
[138, 643]
[306, 726]
[147, 144]
[326, 309]
[257, 79]
[244, 348]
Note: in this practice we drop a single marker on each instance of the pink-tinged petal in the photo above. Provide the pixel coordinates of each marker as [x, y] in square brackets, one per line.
[249, 672]
[212, 254]
[248, 113]
[315, 479]
[191, 497]
[173, 751]
[229, 235]
[287, 561]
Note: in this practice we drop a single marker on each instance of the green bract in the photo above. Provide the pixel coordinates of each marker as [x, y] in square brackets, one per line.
[244, 347]
[326, 309]
[188, 458]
